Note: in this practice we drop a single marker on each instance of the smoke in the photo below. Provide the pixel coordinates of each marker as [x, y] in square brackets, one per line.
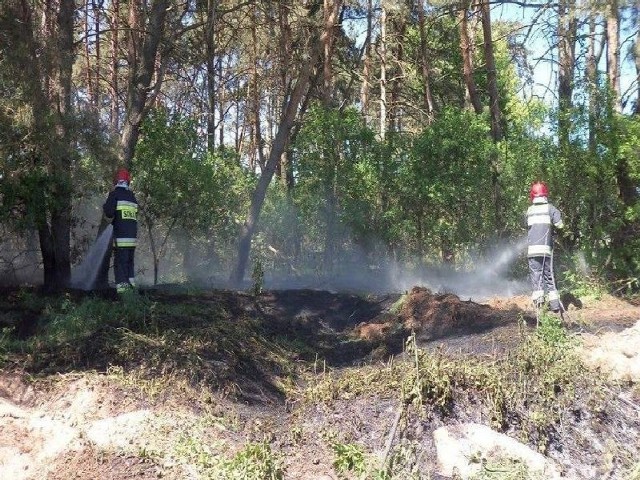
[488, 276]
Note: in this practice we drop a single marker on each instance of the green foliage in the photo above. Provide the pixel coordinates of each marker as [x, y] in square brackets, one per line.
[255, 461]
[349, 458]
[442, 182]
[180, 188]
[336, 191]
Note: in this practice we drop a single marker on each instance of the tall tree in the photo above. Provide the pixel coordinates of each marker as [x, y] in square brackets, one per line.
[427, 98]
[39, 43]
[145, 31]
[466, 49]
[613, 52]
[636, 56]
[312, 54]
[567, 25]
[365, 89]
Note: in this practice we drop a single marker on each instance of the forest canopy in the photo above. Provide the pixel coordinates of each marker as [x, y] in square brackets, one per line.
[309, 137]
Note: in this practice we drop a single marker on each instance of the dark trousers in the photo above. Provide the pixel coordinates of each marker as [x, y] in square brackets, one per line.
[542, 281]
[123, 264]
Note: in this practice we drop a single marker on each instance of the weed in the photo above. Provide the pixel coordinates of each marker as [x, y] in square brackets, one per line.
[255, 461]
[349, 458]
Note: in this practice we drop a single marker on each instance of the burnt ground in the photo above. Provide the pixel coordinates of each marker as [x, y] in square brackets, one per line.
[82, 409]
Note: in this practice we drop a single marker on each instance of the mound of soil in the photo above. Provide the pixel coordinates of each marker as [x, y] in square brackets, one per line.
[434, 316]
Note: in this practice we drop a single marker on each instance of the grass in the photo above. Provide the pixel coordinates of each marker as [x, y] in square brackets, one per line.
[192, 349]
[530, 390]
[254, 461]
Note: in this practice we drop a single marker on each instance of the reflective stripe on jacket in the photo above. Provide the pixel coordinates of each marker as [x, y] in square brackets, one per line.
[541, 217]
[122, 207]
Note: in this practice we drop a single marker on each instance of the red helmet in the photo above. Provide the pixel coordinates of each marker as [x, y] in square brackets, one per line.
[538, 189]
[122, 175]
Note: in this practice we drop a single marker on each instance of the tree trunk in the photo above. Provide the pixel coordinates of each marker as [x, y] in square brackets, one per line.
[492, 74]
[366, 68]
[257, 142]
[592, 81]
[395, 117]
[613, 53]
[114, 112]
[382, 52]
[278, 147]
[211, 73]
[427, 99]
[567, 29]
[466, 48]
[494, 108]
[636, 52]
[328, 43]
[142, 54]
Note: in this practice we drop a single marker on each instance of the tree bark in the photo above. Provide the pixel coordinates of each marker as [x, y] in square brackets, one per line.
[636, 51]
[142, 54]
[492, 74]
[382, 53]
[366, 67]
[466, 48]
[211, 73]
[613, 53]
[114, 112]
[427, 98]
[45, 63]
[567, 29]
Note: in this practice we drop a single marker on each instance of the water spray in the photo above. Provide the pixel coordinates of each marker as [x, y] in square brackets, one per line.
[84, 276]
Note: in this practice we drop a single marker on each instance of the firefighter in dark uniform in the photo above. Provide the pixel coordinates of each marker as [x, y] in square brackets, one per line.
[121, 208]
[542, 219]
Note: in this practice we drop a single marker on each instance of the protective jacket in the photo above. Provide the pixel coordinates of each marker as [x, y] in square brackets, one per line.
[541, 218]
[122, 207]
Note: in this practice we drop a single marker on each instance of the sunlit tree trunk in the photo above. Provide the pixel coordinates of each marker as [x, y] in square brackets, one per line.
[382, 53]
[592, 81]
[209, 38]
[566, 29]
[466, 49]
[395, 114]
[613, 52]
[427, 99]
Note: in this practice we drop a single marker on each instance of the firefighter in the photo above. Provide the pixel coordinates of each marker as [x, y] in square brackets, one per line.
[121, 208]
[542, 219]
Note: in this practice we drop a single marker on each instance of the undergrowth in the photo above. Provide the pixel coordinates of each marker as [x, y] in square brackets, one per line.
[150, 340]
[528, 391]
